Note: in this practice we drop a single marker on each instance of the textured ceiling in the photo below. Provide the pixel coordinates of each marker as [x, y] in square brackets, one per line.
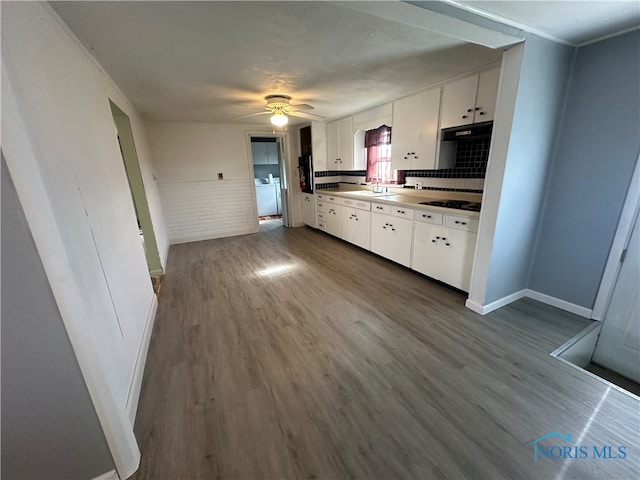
[205, 61]
[572, 21]
[215, 61]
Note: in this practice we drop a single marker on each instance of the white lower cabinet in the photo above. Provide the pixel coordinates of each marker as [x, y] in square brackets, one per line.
[309, 209]
[391, 237]
[333, 219]
[445, 251]
[355, 222]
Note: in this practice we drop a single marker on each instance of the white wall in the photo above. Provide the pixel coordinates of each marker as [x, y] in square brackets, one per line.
[61, 148]
[187, 159]
[49, 425]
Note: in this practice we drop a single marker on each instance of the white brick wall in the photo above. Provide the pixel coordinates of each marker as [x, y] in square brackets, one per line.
[208, 209]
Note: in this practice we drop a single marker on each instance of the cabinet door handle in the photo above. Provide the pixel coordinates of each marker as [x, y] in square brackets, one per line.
[481, 113]
[433, 241]
[477, 108]
[464, 116]
[438, 238]
[444, 238]
[447, 244]
[469, 110]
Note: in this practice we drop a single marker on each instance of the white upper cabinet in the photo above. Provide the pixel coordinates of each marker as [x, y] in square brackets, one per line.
[264, 153]
[470, 100]
[487, 95]
[340, 145]
[414, 137]
[319, 146]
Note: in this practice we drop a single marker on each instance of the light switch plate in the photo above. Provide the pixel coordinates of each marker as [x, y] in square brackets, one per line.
[418, 185]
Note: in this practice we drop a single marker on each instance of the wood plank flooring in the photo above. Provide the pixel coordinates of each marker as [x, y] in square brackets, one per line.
[291, 354]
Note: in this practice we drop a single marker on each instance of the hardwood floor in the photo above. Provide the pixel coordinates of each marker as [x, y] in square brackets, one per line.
[291, 354]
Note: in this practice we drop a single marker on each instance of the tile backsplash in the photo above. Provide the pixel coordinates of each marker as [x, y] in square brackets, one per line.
[467, 176]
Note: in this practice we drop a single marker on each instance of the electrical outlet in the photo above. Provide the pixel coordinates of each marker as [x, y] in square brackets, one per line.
[418, 185]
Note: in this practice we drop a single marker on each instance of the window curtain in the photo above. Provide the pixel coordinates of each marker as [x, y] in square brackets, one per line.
[378, 145]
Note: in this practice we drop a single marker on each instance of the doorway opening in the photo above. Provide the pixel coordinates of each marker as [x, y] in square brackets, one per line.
[269, 172]
[138, 195]
[610, 349]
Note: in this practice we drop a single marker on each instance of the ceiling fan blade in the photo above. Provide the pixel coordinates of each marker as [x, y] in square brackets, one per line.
[252, 115]
[309, 116]
[302, 106]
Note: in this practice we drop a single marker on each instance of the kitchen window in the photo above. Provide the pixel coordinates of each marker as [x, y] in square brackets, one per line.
[378, 144]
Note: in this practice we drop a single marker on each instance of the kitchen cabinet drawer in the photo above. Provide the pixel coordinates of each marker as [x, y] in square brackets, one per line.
[359, 204]
[402, 212]
[321, 206]
[381, 208]
[461, 223]
[428, 217]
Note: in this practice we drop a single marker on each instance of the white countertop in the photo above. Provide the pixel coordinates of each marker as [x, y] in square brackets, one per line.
[408, 197]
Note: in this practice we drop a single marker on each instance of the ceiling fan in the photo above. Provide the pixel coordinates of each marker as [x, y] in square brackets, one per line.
[280, 109]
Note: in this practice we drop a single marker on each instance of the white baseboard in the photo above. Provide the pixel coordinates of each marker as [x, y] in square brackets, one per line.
[561, 304]
[200, 238]
[112, 475]
[541, 297]
[141, 360]
[484, 309]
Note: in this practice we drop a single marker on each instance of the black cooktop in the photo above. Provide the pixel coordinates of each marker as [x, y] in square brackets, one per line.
[457, 204]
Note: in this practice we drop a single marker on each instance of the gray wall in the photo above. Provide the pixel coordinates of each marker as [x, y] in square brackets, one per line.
[597, 149]
[544, 77]
[49, 426]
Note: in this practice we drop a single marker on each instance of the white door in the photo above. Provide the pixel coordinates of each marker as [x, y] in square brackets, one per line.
[426, 248]
[333, 219]
[618, 346]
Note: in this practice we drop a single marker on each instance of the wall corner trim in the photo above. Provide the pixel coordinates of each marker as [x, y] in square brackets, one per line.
[490, 307]
[136, 381]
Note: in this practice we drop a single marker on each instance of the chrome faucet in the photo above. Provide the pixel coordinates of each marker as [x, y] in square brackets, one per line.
[377, 188]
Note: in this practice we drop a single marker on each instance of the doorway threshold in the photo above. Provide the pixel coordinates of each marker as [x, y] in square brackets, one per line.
[577, 352]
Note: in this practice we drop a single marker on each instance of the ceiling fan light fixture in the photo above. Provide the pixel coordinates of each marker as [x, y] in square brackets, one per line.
[279, 119]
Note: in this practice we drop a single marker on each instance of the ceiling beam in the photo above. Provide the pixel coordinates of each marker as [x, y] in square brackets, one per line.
[417, 17]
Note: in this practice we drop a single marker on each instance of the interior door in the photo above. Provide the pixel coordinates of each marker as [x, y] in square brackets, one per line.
[618, 346]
